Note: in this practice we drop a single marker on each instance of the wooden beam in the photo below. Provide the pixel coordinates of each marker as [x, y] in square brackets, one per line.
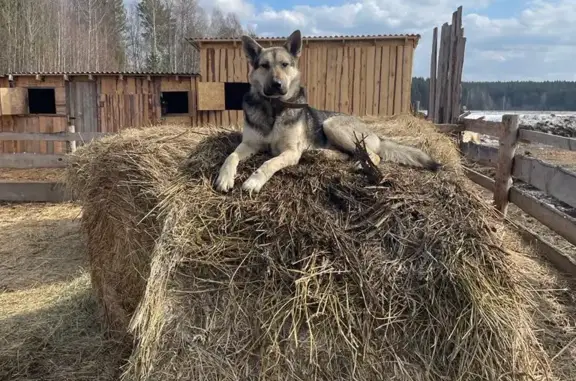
[433, 67]
[484, 181]
[554, 180]
[33, 191]
[551, 179]
[484, 155]
[503, 178]
[31, 160]
[55, 136]
[449, 128]
[561, 142]
[71, 144]
[554, 255]
[483, 127]
[559, 222]
[543, 213]
[440, 94]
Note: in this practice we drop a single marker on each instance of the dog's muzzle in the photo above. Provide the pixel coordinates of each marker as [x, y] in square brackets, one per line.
[275, 88]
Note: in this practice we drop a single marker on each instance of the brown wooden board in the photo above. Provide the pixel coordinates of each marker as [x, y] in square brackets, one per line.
[13, 101]
[211, 96]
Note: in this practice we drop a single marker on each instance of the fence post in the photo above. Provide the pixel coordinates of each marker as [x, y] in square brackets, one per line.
[71, 144]
[506, 151]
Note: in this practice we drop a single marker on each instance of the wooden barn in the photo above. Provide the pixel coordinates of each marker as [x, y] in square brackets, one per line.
[360, 75]
[92, 102]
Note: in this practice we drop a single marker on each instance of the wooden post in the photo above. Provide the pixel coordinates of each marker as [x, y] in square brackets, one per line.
[432, 85]
[71, 144]
[506, 151]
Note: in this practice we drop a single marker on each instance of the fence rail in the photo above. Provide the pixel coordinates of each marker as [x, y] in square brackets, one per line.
[551, 179]
[43, 160]
[54, 136]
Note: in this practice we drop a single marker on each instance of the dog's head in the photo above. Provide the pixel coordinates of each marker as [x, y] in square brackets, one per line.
[274, 71]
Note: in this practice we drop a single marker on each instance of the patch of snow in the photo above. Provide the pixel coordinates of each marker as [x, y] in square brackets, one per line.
[557, 123]
[562, 123]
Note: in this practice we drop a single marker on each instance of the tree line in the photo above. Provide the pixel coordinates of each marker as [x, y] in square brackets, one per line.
[509, 96]
[107, 35]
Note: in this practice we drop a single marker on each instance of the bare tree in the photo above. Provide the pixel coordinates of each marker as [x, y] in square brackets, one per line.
[89, 35]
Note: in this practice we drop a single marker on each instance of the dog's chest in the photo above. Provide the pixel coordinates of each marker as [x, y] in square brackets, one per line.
[277, 133]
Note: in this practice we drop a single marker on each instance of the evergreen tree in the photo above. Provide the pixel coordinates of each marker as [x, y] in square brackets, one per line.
[156, 23]
[508, 96]
[119, 30]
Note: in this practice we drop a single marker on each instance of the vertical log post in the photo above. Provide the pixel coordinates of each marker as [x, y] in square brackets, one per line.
[70, 144]
[432, 85]
[506, 151]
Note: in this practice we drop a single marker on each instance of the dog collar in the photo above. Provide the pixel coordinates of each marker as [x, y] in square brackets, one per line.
[292, 104]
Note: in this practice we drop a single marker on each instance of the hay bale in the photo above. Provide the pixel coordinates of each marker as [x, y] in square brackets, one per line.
[117, 180]
[322, 276]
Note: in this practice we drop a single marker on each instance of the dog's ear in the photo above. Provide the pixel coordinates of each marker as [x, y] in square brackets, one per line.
[251, 48]
[294, 44]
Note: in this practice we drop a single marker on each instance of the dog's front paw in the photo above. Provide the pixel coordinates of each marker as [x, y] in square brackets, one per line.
[254, 183]
[225, 181]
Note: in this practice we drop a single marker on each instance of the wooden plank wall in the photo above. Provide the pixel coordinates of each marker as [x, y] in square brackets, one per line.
[135, 101]
[223, 63]
[36, 123]
[127, 102]
[360, 77]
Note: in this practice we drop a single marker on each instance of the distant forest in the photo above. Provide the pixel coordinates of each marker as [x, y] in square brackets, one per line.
[509, 96]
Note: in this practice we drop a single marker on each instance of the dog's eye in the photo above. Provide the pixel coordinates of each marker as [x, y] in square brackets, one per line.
[285, 64]
[265, 65]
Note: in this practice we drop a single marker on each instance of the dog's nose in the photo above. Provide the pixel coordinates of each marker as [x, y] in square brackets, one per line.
[276, 83]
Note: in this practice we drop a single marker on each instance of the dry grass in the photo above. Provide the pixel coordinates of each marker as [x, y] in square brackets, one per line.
[323, 276]
[32, 174]
[119, 179]
[49, 326]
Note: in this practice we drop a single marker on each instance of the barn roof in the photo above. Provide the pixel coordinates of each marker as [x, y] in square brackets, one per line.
[317, 38]
[128, 73]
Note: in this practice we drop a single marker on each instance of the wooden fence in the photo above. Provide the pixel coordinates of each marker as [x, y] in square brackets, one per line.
[553, 180]
[39, 191]
[446, 68]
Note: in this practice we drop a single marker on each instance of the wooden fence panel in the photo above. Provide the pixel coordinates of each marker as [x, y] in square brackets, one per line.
[30, 160]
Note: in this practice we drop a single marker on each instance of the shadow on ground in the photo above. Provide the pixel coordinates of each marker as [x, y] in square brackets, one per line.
[61, 339]
[39, 245]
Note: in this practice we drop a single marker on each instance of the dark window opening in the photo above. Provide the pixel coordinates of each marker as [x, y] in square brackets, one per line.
[233, 93]
[174, 102]
[41, 101]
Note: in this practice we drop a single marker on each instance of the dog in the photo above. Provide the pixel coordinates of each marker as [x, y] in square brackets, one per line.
[277, 119]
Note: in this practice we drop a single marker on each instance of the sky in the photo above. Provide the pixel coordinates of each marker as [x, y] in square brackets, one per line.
[506, 39]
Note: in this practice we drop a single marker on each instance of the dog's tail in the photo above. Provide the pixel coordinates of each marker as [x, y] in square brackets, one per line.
[398, 153]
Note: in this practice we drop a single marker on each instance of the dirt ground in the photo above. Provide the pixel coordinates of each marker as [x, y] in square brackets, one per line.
[49, 323]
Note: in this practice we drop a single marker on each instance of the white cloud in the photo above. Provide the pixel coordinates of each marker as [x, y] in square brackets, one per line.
[537, 42]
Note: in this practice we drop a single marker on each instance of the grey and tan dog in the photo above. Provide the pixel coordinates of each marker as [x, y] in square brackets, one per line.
[277, 119]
